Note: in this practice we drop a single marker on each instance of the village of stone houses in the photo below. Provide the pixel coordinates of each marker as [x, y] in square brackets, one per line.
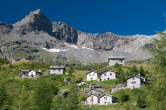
[98, 84]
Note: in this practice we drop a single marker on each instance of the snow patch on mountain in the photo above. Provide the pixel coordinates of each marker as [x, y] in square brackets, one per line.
[71, 45]
[54, 50]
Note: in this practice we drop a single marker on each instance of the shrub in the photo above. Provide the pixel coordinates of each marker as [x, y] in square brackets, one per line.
[123, 97]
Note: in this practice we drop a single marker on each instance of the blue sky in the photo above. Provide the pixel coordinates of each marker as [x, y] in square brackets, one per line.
[125, 17]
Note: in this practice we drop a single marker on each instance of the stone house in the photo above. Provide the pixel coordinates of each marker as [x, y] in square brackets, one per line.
[106, 99]
[113, 60]
[91, 76]
[57, 69]
[135, 81]
[30, 74]
[91, 100]
[107, 75]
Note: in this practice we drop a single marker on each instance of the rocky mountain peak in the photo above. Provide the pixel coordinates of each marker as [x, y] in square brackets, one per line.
[36, 12]
[34, 21]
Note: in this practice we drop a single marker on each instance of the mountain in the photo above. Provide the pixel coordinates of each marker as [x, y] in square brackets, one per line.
[37, 38]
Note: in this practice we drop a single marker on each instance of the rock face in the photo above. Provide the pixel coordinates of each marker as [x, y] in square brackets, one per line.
[64, 32]
[36, 38]
[106, 41]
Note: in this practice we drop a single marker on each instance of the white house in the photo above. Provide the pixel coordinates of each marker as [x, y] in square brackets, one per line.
[91, 100]
[92, 76]
[113, 60]
[135, 81]
[105, 99]
[108, 75]
[31, 74]
[57, 69]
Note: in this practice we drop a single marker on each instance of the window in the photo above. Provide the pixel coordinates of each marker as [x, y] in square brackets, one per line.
[105, 74]
[91, 99]
[133, 82]
[105, 98]
[110, 73]
[133, 78]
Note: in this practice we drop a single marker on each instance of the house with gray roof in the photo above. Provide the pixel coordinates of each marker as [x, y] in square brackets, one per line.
[90, 76]
[106, 99]
[57, 69]
[118, 59]
[135, 81]
[107, 75]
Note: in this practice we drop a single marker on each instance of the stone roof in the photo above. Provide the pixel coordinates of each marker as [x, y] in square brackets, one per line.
[57, 67]
[137, 76]
[116, 57]
[90, 72]
[104, 95]
[100, 73]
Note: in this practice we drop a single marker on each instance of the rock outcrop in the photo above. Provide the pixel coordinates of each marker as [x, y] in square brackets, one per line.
[64, 32]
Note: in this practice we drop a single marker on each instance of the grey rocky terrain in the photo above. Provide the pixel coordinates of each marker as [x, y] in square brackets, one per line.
[37, 38]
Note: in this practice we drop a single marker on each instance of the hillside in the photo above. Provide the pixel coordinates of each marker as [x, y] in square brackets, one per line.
[29, 88]
[37, 38]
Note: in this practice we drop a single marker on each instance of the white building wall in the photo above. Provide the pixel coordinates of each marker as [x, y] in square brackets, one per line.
[108, 76]
[92, 100]
[114, 61]
[105, 100]
[57, 71]
[32, 74]
[92, 76]
[134, 82]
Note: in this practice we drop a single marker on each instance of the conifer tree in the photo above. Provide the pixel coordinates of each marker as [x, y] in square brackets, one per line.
[133, 70]
[22, 101]
[43, 94]
[141, 71]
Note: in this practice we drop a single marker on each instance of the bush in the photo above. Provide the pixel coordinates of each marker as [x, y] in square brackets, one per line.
[3, 61]
[121, 75]
[123, 97]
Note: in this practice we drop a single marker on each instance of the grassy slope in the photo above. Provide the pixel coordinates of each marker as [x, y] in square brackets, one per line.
[12, 70]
